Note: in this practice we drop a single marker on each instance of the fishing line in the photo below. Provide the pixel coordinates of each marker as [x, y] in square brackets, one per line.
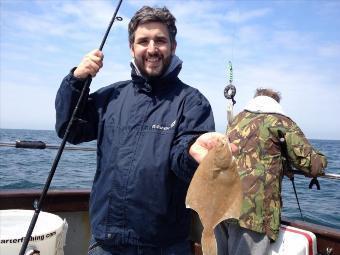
[233, 37]
[80, 103]
[230, 90]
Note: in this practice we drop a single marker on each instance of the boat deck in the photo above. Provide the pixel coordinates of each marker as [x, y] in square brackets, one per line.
[72, 205]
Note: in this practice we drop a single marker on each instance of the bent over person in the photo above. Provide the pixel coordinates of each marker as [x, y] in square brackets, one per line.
[257, 131]
[144, 129]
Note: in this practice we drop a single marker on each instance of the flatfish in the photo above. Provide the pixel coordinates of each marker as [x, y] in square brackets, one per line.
[215, 192]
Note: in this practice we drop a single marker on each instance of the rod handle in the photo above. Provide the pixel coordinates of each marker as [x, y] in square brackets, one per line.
[30, 144]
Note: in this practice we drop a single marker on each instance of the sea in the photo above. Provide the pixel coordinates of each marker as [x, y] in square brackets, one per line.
[29, 168]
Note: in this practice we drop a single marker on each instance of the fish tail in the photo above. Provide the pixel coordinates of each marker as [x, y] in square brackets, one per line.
[209, 245]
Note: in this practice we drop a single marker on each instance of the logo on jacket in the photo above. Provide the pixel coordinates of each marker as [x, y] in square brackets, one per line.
[157, 126]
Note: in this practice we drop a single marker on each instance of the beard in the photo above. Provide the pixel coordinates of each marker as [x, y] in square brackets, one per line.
[152, 70]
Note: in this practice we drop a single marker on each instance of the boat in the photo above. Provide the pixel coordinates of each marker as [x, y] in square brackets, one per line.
[72, 205]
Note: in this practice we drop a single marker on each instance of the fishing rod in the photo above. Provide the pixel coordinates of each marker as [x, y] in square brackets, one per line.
[287, 167]
[41, 145]
[326, 176]
[38, 206]
[290, 174]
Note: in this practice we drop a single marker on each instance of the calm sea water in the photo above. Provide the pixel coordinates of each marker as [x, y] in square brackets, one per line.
[29, 168]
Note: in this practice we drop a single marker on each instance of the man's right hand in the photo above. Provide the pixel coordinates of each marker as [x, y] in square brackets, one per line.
[319, 163]
[90, 64]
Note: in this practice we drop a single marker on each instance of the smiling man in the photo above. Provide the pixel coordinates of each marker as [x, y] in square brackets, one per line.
[152, 49]
[145, 128]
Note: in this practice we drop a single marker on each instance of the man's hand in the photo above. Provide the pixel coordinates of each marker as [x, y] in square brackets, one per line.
[319, 163]
[206, 142]
[89, 65]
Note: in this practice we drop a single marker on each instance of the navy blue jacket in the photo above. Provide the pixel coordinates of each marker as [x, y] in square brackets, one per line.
[143, 131]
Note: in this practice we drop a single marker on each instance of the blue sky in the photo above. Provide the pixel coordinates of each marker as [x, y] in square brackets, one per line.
[290, 46]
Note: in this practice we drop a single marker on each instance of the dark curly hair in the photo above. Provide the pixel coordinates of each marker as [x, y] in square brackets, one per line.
[148, 14]
[268, 92]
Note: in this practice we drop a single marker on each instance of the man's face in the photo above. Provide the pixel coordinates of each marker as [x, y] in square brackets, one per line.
[152, 49]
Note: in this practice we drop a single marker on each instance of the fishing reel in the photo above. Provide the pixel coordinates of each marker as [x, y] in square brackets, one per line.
[230, 92]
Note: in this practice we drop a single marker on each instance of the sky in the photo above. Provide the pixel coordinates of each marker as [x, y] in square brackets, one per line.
[291, 46]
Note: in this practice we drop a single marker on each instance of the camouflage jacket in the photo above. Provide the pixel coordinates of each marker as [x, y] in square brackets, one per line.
[259, 162]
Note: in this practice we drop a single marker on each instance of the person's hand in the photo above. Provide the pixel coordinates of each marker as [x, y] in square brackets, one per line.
[289, 174]
[318, 165]
[89, 65]
[199, 149]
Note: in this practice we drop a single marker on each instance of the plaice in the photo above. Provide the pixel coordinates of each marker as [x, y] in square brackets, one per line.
[215, 193]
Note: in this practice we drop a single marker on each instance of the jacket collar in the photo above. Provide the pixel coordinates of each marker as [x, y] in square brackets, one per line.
[158, 84]
[264, 104]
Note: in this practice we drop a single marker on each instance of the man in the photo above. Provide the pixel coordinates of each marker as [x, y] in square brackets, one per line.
[256, 132]
[144, 128]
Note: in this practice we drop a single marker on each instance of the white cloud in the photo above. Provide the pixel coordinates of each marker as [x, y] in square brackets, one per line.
[237, 16]
[292, 39]
[42, 40]
[26, 107]
[331, 50]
